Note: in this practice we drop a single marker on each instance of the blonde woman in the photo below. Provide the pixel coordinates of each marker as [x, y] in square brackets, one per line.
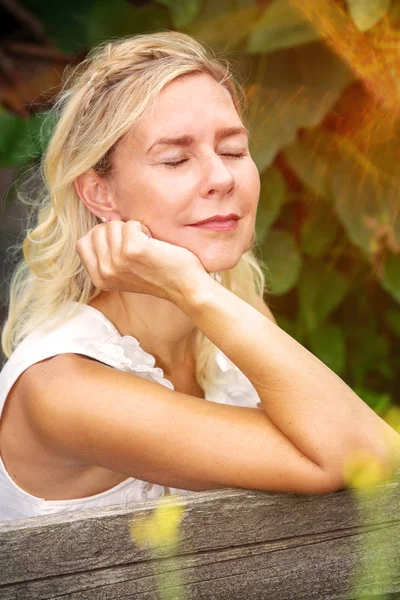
[142, 359]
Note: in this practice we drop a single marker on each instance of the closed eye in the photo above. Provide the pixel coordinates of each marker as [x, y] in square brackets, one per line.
[181, 162]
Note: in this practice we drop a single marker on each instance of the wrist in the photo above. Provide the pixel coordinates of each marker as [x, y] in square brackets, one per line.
[195, 292]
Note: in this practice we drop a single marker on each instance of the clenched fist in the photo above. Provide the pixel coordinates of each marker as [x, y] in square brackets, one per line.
[122, 256]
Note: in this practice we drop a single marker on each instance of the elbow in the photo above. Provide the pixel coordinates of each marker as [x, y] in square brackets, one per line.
[365, 462]
[362, 469]
[330, 482]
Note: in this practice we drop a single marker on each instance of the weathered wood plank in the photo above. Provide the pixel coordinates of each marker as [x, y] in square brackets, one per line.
[310, 567]
[96, 538]
[100, 537]
[233, 544]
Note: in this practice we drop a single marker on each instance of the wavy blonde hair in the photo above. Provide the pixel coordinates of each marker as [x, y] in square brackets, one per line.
[100, 100]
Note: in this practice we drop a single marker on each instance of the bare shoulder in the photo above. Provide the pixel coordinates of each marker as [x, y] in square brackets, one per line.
[57, 367]
[91, 412]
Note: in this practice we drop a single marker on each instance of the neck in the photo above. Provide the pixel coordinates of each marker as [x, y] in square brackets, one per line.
[162, 328]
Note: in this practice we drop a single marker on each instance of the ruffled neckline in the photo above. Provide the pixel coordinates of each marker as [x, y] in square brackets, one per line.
[127, 351]
[231, 385]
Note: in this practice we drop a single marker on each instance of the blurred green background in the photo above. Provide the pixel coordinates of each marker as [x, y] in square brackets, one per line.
[322, 80]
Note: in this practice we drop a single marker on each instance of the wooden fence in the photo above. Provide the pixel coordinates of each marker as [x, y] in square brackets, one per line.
[233, 544]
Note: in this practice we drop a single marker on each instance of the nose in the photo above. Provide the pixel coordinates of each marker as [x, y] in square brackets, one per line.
[216, 177]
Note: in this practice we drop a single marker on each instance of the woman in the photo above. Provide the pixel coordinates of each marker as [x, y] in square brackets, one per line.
[142, 358]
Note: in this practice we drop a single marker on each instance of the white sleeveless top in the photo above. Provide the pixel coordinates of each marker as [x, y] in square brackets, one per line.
[89, 332]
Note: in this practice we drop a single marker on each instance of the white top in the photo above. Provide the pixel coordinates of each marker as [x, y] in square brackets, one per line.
[89, 332]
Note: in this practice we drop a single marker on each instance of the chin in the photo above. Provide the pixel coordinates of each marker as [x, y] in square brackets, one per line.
[216, 261]
[214, 265]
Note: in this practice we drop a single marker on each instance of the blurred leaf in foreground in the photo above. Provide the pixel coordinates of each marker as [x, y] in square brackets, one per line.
[367, 13]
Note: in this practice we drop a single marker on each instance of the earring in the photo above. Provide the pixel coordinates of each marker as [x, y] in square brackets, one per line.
[103, 219]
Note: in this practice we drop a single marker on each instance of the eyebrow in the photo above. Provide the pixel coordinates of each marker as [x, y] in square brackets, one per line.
[187, 140]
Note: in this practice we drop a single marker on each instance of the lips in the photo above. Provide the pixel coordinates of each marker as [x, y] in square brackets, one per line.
[225, 225]
[218, 219]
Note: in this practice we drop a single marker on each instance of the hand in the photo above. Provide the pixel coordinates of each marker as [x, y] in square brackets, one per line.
[123, 256]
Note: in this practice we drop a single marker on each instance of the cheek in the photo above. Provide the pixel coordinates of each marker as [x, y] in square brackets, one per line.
[147, 201]
[250, 188]
[251, 199]
[255, 183]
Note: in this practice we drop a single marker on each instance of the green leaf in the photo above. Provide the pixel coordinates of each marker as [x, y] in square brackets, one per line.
[283, 261]
[391, 275]
[223, 25]
[362, 185]
[10, 126]
[311, 163]
[367, 13]
[286, 324]
[364, 202]
[26, 145]
[328, 344]
[21, 140]
[378, 401]
[292, 89]
[392, 319]
[281, 26]
[319, 230]
[320, 291]
[119, 19]
[272, 195]
[182, 13]
[369, 347]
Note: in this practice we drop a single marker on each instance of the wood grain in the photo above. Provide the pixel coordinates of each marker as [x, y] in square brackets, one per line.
[233, 544]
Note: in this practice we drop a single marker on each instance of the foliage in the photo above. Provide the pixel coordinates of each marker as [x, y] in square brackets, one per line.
[322, 83]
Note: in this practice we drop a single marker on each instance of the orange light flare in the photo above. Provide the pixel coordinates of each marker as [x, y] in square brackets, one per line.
[366, 117]
[363, 126]
[373, 56]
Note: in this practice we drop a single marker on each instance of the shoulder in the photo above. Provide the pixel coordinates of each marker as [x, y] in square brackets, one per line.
[263, 308]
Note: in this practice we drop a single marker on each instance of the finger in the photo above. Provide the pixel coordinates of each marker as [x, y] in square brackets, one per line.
[133, 238]
[85, 250]
[146, 230]
[102, 249]
[114, 241]
[138, 225]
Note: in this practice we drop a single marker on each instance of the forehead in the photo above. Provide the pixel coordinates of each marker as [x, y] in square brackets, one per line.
[192, 104]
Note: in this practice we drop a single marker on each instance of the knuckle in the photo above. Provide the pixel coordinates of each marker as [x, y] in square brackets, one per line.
[101, 283]
[97, 282]
[119, 262]
[103, 287]
[132, 248]
[106, 273]
[131, 224]
[96, 279]
[95, 230]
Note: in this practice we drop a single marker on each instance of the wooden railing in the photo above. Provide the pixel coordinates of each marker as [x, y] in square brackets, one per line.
[233, 544]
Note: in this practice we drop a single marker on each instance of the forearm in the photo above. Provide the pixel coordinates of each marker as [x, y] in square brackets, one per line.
[309, 403]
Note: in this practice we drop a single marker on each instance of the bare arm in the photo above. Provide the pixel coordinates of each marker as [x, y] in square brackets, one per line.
[311, 420]
[304, 399]
[91, 414]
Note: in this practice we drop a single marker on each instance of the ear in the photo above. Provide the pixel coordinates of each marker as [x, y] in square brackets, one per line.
[95, 192]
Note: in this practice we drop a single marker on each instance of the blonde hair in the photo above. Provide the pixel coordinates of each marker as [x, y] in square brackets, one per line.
[101, 99]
